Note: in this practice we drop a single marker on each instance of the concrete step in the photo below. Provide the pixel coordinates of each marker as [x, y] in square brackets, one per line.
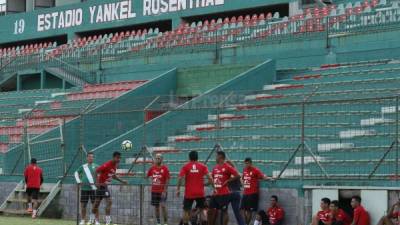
[375, 121]
[226, 116]
[21, 212]
[356, 133]
[333, 146]
[163, 149]
[183, 138]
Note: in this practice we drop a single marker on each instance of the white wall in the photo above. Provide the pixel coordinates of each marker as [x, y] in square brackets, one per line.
[375, 202]
[318, 194]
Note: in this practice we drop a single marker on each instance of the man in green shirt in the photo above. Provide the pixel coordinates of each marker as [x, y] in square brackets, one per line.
[85, 176]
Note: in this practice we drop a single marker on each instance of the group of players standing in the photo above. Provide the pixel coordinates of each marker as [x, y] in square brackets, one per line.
[224, 179]
[226, 182]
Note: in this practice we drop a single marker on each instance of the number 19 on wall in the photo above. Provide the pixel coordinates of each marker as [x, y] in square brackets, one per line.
[19, 26]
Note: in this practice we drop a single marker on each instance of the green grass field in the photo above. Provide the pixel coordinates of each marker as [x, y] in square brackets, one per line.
[4, 220]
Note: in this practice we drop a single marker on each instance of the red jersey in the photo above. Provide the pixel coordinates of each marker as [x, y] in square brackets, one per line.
[106, 172]
[194, 173]
[275, 214]
[159, 176]
[33, 176]
[251, 177]
[220, 174]
[324, 216]
[361, 216]
[343, 217]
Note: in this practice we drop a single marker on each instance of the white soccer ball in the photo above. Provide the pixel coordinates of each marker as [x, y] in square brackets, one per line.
[126, 145]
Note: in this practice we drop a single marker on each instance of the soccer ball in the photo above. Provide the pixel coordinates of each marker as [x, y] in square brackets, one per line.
[126, 145]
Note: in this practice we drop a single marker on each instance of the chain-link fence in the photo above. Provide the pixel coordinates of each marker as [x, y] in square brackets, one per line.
[331, 139]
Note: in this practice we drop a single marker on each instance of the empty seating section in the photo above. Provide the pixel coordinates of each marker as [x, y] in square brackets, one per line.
[36, 112]
[104, 91]
[27, 49]
[347, 137]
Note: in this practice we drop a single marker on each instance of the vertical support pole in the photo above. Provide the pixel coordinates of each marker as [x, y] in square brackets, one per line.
[27, 147]
[62, 146]
[141, 205]
[302, 140]
[78, 190]
[18, 82]
[327, 32]
[101, 58]
[144, 142]
[218, 122]
[81, 139]
[397, 137]
[42, 79]
[144, 166]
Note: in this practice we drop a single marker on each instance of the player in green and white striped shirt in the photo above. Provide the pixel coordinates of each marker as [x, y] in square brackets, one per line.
[85, 176]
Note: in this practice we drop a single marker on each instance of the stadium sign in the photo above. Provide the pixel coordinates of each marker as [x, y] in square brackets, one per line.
[109, 12]
[154, 7]
[74, 17]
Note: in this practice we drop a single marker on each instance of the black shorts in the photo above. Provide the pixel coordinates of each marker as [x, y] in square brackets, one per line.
[279, 222]
[157, 198]
[337, 223]
[188, 203]
[320, 222]
[88, 195]
[33, 193]
[102, 192]
[249, 202]
[220, 202]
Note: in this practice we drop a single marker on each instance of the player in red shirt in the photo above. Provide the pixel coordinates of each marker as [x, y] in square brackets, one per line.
[251, 177]
[33, 179]
[105, 174]
[274, 216]
[393, 216]
[193, 173]
[360, 215]
[222, 175]
[159, 175]
[338, 216]
[323, 216]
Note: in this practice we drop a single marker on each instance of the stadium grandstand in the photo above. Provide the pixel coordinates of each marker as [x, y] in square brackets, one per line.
[308, 89]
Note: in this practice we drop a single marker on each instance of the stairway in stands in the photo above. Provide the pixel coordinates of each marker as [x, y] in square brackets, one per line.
[346, 138]
[16, 202]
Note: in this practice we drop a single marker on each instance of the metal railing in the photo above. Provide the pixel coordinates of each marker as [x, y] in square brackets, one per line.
[91, 57]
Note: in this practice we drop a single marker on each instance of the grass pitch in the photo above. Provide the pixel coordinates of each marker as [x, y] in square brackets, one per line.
[5, 220]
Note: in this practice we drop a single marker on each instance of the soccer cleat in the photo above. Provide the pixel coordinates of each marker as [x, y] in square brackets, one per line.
[34, 214]
[96, 223]
[108, 220]
[82, 222]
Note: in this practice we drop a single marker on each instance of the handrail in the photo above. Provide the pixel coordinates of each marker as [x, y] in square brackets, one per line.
[81, 74]
[8, 63]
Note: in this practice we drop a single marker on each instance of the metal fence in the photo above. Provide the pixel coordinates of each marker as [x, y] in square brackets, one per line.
[130, 205]
[320, 140]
